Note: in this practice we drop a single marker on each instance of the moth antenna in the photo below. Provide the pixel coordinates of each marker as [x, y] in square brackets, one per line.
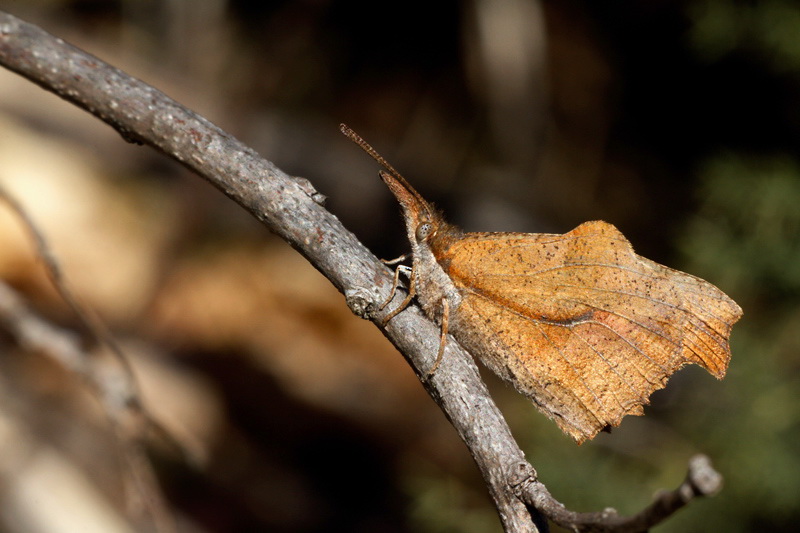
[356, 138]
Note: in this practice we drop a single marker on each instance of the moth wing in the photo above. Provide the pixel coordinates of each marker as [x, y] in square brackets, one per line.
[582, 325]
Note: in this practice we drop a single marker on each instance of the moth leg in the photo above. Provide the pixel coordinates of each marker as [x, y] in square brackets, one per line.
[395, 283]
[443, 340]
[412, 291]
[396, 280]
[396, 260]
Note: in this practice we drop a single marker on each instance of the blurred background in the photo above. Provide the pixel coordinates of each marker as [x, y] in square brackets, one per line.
[677, 121]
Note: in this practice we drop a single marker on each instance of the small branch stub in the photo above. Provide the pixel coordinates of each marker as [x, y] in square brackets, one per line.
[361, 301]
[702, 477]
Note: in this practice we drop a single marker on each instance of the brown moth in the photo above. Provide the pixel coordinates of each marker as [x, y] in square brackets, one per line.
[578, 323]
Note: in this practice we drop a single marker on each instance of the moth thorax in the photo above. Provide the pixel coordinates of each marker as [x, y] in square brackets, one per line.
[432, 282]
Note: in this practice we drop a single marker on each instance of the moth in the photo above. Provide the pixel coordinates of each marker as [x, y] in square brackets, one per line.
[578, 323]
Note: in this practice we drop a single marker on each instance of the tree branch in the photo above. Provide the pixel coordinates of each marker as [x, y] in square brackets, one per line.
[292, 209]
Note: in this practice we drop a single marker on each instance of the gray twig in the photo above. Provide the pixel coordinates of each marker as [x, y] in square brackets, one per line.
[701, 480]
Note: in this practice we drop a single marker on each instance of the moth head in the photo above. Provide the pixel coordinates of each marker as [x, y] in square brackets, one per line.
[425, 230]
[422, 220]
